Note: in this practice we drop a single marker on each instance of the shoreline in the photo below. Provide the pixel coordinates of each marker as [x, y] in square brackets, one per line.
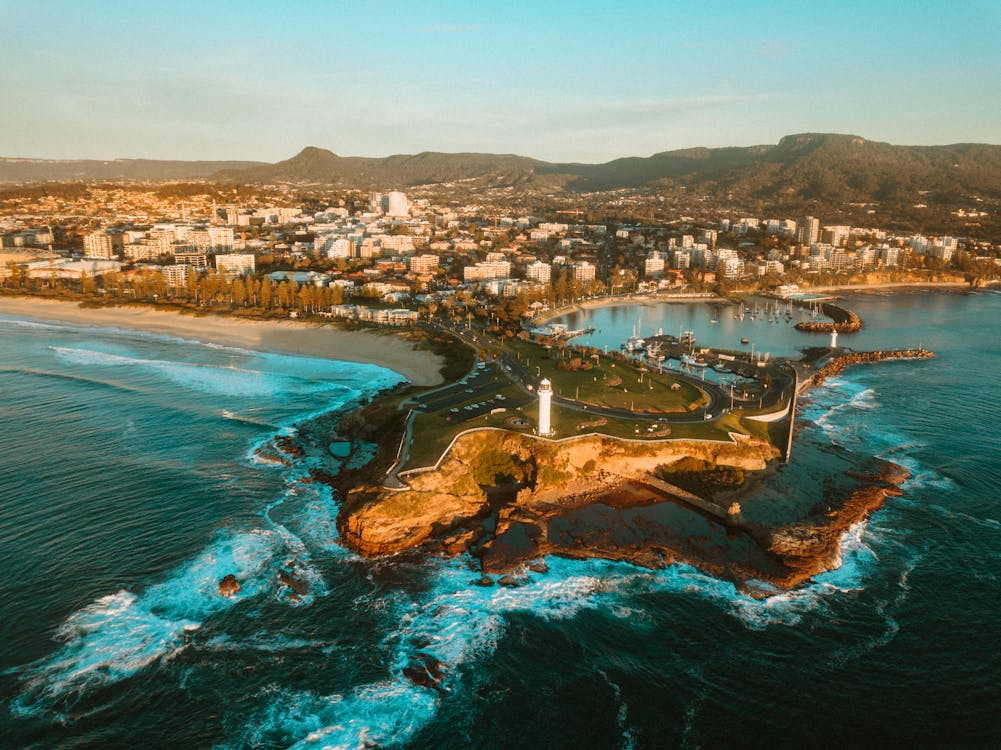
[715, 298]
[889, 286]
[420, 367]
[593, 304]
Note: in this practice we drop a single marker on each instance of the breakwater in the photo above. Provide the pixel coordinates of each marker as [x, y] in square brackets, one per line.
[843, 320]
[837, 365]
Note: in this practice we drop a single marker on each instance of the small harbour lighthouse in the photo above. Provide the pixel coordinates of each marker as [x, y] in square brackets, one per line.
[545, 406]
[834, 339]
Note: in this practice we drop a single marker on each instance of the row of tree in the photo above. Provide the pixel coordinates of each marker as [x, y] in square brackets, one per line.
[207, 289]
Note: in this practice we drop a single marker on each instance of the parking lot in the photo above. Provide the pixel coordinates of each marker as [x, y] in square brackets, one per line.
[473, 396]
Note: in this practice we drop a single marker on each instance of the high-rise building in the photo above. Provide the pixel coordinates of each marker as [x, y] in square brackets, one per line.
[396, 204]
[653, 267]
[807, 230]
[235, 264]
[427, 263]
[98, 245]
[836, 235]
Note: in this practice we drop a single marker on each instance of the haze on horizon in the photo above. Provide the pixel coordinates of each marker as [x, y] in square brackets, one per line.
[566, 81]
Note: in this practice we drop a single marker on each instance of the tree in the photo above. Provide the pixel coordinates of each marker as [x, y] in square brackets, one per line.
[239, 292]
[266, 292]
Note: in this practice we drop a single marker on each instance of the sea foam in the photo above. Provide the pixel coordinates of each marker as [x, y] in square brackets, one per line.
[119, 634]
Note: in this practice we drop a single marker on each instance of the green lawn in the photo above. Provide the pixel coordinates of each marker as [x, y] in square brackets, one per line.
[617, 385]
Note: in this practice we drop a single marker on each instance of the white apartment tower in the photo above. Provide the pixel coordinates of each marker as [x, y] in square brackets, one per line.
[397, 204]
[545, 406]
[539, 271]
[583, 271]
[98, 245]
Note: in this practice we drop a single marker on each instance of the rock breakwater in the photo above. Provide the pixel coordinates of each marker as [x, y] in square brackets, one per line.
[840, 363]
[843, 320]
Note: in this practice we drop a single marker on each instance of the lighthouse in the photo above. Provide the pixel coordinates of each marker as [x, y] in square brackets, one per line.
[545, 406]
[834, 339]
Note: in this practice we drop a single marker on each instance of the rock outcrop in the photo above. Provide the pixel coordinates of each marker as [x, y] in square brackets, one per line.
[814, 546]
[440, 505]
[229, 586]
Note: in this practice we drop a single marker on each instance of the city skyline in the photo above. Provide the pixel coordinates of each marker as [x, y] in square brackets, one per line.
[569, 82]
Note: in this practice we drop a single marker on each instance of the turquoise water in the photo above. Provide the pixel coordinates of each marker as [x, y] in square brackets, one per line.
[129, 489]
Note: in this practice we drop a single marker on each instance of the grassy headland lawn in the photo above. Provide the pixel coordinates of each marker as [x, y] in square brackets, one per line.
[433, 432]
[601, 380]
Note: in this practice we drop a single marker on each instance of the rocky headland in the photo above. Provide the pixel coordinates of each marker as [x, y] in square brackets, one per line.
[509, 499]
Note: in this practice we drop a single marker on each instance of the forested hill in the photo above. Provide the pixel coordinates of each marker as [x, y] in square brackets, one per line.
[799, 169]
[805, 167]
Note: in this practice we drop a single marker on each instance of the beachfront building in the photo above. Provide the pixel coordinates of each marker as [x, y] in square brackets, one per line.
[653, 267]
[65, 268]
[235, 264]
[545, 407]
[176, 275]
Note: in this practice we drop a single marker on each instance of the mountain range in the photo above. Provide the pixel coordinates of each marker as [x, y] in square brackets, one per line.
[799, 168]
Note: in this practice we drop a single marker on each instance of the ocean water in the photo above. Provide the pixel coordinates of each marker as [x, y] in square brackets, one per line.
[129, 488]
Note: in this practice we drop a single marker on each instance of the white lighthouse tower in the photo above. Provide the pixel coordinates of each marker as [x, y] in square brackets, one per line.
[545, 406]
[834, 339]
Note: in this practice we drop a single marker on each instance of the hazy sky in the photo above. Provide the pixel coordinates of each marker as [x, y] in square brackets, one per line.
[581, 81]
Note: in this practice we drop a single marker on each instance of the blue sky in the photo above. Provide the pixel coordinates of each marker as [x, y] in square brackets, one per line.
[566, 81]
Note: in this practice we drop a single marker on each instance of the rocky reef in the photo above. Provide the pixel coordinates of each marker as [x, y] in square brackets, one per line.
[813, 545]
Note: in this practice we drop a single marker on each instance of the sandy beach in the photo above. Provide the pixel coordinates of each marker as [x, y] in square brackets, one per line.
[284, 337]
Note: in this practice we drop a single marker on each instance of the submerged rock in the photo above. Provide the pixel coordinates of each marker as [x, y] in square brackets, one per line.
[425, 671]
[298, 586]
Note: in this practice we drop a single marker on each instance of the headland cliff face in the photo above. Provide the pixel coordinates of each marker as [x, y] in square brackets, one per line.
[468, 484]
